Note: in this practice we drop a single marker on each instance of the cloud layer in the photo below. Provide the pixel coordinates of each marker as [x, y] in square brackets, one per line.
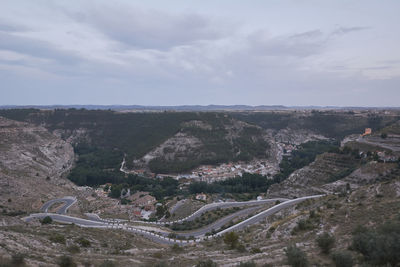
[102, 53]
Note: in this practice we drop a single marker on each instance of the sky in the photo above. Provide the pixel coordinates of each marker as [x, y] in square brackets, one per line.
[179, 52]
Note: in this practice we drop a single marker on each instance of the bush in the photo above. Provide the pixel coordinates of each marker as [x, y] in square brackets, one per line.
[296, 257]
[57, 238]
[255, 250]
[231, 239]
[325, 241]
[379, 246]
[46, 220]
[206, 263]
[176, 248]
[342, 259]
[65, 261]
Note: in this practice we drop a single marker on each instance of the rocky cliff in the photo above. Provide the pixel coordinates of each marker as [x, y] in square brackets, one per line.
[32, 164]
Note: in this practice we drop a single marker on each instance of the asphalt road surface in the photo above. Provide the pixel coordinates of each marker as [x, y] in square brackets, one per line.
[221, 205]
[68, 202]
[157, 237]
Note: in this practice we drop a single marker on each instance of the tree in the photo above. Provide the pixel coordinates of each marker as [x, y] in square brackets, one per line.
[231, 239]
[342, 259]
[47, 220]
[296, 257]
[325, 241]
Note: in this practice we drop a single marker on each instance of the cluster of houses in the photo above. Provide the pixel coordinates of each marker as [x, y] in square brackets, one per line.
[224, 171]
[143, 204]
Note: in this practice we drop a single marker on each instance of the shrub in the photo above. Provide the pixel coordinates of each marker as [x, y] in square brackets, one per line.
[231, 239]
[206, 263]
[176, 248]
[65, 261]
[342, 259]
[57, 238]
[296, 257]
[379, 246]
[255, 250]
[325, 241]
[47, 220]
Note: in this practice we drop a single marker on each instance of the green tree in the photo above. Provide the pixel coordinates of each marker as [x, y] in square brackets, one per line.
[47, 220]
[326, 242]
[296, 257]
[231, 239]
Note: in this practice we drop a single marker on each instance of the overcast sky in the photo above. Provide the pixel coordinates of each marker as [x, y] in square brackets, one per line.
[179, 52]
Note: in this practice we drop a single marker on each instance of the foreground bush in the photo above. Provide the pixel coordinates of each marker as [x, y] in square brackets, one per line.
[296, 257]
[379, 246]
[231, 239]
[47, 220]
[65, 261]
[325, 241]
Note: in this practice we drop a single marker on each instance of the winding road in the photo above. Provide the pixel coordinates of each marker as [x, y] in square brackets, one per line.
[95, 221]
[68, 202]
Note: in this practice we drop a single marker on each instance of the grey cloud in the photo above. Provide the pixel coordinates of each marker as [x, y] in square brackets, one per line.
[294, 46]
[36, 48]
[8, 27]
[308, 34]
[149, 29]
[345, 30]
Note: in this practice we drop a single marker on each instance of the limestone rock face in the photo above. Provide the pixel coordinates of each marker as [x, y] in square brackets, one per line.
[32, 164]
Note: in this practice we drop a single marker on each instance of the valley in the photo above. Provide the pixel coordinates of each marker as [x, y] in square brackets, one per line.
[138, 189]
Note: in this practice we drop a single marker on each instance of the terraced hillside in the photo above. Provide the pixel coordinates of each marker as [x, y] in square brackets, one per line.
[327, 168]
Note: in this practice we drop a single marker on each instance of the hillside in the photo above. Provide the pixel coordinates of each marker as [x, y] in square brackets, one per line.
[32, 164]
[207, 138]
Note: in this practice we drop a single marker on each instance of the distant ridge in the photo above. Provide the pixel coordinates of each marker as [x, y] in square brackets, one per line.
[191, 107]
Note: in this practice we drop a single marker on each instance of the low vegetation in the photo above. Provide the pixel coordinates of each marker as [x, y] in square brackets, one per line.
[379, 246]
[296, 257]
[205, 219]
[325, 242]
